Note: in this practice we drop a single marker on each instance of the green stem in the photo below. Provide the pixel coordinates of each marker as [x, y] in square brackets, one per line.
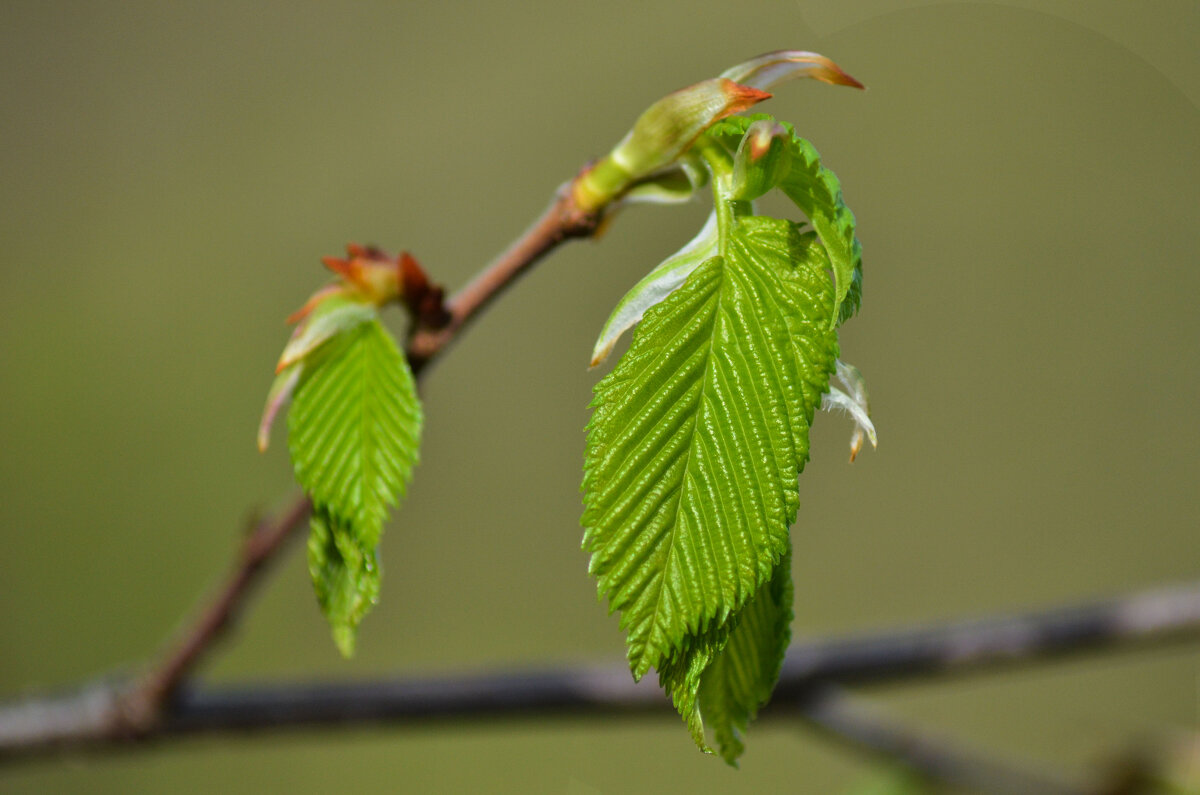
[720, 166]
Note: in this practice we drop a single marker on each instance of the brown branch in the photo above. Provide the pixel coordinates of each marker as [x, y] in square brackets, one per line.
[139, 709]
[79, 721]
[560, 222]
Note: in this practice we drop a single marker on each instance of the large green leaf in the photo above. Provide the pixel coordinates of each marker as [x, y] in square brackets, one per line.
[696, 440]
[742, 676]
[354, 427]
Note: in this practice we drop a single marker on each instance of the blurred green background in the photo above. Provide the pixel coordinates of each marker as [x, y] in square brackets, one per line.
[1025, 176]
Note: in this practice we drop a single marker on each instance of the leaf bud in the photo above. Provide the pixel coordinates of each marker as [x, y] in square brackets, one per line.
[762, 160]
[774, 67]
[660, 136]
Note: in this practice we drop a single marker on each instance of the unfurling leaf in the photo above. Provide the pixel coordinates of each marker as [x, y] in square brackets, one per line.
[657, 285]
[762, 160]
[354, 427]
[818, 193]
[353, 432]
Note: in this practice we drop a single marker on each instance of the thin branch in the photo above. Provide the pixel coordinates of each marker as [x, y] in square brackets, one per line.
[138, 709]
[561, 221]
[861, 725]
[1138, 619]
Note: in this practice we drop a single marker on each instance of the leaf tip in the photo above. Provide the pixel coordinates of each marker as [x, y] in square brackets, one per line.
[278, 396]
[344, 638]
[739, 97]
[601, 351]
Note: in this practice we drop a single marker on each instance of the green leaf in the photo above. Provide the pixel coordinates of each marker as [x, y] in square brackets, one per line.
[818, 193]
[655, 286]
[354, 428]
[763, 158]
[741, 677]
[333, 315]
[696, 440]
[345, 576]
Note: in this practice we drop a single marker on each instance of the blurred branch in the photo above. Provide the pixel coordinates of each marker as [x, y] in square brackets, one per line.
[1150, 616]
[861, 725]
[140, 707]
[86, 719]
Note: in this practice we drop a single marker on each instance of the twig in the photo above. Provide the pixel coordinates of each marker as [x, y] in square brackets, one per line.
[139, 709]
[560, 222]
[1155, 616]
[854, 722]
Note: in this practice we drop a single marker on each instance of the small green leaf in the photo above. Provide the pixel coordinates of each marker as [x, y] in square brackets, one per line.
[818, 193]
[354, 428]
[333, 315]
[657, 285]
[763, 158]
[741, 677]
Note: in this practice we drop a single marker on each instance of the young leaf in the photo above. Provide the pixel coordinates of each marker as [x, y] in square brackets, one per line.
[655, 286]
[695, 443]
[763, 158]
[345, 576]
[741, 677]
[818, 193]
[353, 434]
